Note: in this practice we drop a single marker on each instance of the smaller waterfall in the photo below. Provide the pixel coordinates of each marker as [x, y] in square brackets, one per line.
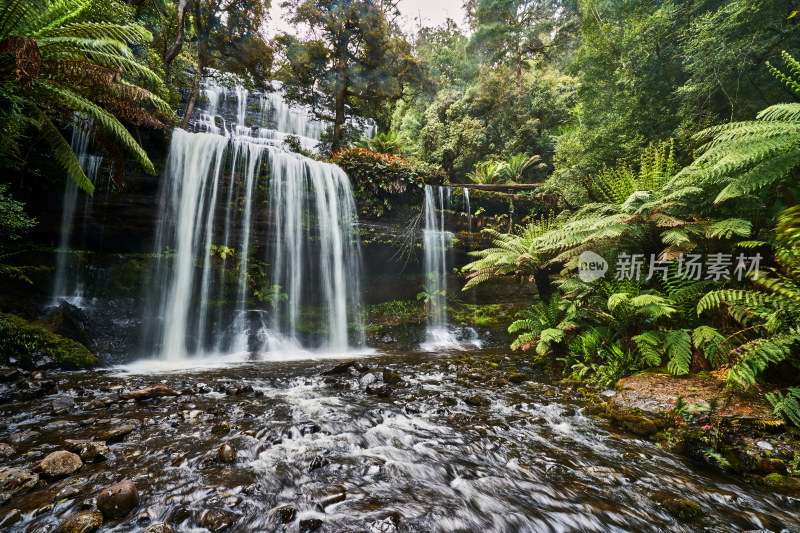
[437, 245]
[66, 286]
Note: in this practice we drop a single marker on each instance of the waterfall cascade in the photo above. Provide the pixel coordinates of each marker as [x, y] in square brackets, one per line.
[225, 181]
[66, 286]
[437, 250]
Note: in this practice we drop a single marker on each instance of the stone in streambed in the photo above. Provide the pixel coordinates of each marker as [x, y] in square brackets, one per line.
[285, 514]
[67, 493]
[117, 433]
[59, 464]
[312, 524]
[118, 500]
[10, 518]
[778, 480]
[391, 378]
[16, 481]
[383, 391]
[683, 508]
[82, 523]
[341, 368]
[477, 400]
[6, 450]
[215, 520]
[226, 454]
[153, 391]
[160, 527]
[89, 451]
[329, 495]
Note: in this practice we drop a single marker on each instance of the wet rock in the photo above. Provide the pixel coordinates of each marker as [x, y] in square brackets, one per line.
[22, 436]
[285, 514]
[69, 321]
[10, 518]
[367, 380]
[82, 523]
[517, 377]
[226, 454]
[9, 374]
[63, 404]
[312, 524]
[215, 520]
[117, 433]
[477, 400]
[380, 390]
[147, 393]
[390, 524]
[68, 493]
[160, 527]
[318, 462]
[118, 500]
[341, 368]
[329, 495]
[778, 480]
[59, 464]
[89, 451]
[683, 508]
[220, 429]
[87, 421]
[6, 450]
[15, 481]
[391, 378]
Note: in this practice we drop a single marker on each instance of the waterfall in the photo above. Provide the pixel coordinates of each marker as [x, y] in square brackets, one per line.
[255, 244]
[437, 245]
[66, 286]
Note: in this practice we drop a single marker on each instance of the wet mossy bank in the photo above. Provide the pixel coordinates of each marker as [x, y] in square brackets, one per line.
[702, 419]
[32, 346]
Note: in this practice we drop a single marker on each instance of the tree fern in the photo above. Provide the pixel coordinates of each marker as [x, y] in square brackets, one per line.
[63, 67]
[787, 405]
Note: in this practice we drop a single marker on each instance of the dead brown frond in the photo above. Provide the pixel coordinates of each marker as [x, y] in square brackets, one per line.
[27, 59]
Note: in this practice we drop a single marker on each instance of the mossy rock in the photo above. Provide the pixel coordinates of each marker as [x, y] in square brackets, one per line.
[21, 339]
[778, 480]
[683, 508]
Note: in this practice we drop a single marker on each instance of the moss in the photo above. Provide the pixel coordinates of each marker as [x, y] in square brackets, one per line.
[683, 508]
[20, 339]
[778, 480]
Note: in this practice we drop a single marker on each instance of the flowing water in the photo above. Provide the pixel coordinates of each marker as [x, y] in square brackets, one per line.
[332, 453]
[67, 283]
[437, 245]
[216, 244]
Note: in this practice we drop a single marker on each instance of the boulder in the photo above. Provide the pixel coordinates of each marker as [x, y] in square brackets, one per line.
[215, 520]
[90, 451]
[6, 450]
[285, 514]
[67, 493]
[341, 368]
[309, 525]
[118, 500]
[117, 433]
[160, 527]
[59, 464]
[69, 321]
[153, 391]
[85, 522]
[226, 454]
[16, 481]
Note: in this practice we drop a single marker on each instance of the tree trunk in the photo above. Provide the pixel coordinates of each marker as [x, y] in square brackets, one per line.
[198, 75]
[518, 51]
[175, 49]
[341, 92]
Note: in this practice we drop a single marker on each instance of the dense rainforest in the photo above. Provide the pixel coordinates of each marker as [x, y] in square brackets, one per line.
[551, 209]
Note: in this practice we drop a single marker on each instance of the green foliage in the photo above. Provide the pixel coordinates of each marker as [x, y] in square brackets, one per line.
[396, 310]
[544, 325]
[21, 339]
[786, 405]
[511, 254]
[54, 66]
[488, 172]
[13, 220]
[377, 177]
[383, 142]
